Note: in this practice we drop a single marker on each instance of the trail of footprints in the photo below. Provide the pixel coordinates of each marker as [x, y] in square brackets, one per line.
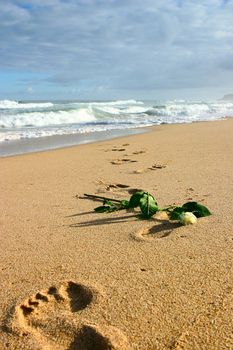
[55, 319]
[127, 159]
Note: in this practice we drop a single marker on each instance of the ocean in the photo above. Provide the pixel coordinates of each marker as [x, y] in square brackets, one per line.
[27, 126]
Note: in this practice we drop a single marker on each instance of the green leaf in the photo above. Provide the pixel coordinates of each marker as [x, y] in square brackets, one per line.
[109, 206]
[197, 209]
[148, 205]
[107, 202]
[103, 209]
[135, 199]
[124, 204]
[175, 213]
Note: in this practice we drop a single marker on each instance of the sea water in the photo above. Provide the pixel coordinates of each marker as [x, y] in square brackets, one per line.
[34, 122]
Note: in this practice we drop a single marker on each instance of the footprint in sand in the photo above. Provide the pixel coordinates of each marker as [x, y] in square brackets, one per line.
[139, 152]
[141, 235]
[153, 167]
[117, 148]
[162, 228]
[54, 319]
[122, 161]
[111, 187]
[149, 233]
[157, 166]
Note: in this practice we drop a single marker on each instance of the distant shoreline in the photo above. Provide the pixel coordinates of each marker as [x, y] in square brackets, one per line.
[27, 127]
[41, 144]
[48, 143]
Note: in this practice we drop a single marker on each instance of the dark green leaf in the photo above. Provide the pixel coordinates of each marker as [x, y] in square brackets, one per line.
[103, 209]
[135, 199]
[197, 209]
[175, 213]
[107, 202]
[109, 206]
[124, 204]
[148, 205]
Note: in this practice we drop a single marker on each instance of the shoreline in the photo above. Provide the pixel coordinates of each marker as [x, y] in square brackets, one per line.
[49, 143]
[70, 276]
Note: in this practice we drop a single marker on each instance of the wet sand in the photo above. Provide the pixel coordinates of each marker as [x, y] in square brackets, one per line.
[74, 279]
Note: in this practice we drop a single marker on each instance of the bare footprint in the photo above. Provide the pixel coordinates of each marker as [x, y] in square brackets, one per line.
[141, 235]
[161, 228]
[122, 161]
[90, 337]
[54, 319]
[110, 187]
[139, 152]
[115, 187]
[148, 234]
[153, 167]
[48, 315]
[118, 149]
[157, 166]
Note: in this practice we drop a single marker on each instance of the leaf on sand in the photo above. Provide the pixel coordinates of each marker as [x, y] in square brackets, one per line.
[197, 209]
[107, 202]
[148, 205]
[134, 201]
[124, 204]
[175, 213]
[141, 199]
[103, 209]
[109, 206]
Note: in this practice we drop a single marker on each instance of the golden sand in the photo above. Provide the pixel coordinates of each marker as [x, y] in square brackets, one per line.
[74, 279]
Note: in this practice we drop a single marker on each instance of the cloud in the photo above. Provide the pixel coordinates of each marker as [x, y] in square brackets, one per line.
[116, 44]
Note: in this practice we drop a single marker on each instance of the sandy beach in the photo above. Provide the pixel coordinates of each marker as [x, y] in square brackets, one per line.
[74, 279]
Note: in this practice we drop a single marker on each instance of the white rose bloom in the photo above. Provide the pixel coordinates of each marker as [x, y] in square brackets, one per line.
[187, 218]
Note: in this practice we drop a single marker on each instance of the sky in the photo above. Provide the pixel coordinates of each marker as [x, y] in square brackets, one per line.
[116, 49]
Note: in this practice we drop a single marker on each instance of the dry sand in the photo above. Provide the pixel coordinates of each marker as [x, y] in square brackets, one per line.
[74, 279]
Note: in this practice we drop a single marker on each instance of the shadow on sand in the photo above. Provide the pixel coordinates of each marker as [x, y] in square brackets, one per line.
[160, 229]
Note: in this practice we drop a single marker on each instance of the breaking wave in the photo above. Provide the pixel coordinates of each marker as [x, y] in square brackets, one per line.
[22, 119]
[8, 104]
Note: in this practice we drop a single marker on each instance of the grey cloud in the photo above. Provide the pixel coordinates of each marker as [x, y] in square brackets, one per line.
[120, 44]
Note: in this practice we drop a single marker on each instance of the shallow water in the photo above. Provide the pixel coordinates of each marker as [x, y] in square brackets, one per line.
[40, 125]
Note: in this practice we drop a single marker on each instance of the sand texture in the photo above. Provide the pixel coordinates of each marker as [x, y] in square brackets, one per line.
[73, 279]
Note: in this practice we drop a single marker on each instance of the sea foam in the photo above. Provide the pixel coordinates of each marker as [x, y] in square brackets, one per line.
[8, 104]
[20, 120]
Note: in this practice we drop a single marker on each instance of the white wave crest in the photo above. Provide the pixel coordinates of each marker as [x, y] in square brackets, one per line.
[191, 111]
[125, 102]
[117, 103]
[9, 104]
[117, 110]
[47, 118]
[33, 133]
[81, 117]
